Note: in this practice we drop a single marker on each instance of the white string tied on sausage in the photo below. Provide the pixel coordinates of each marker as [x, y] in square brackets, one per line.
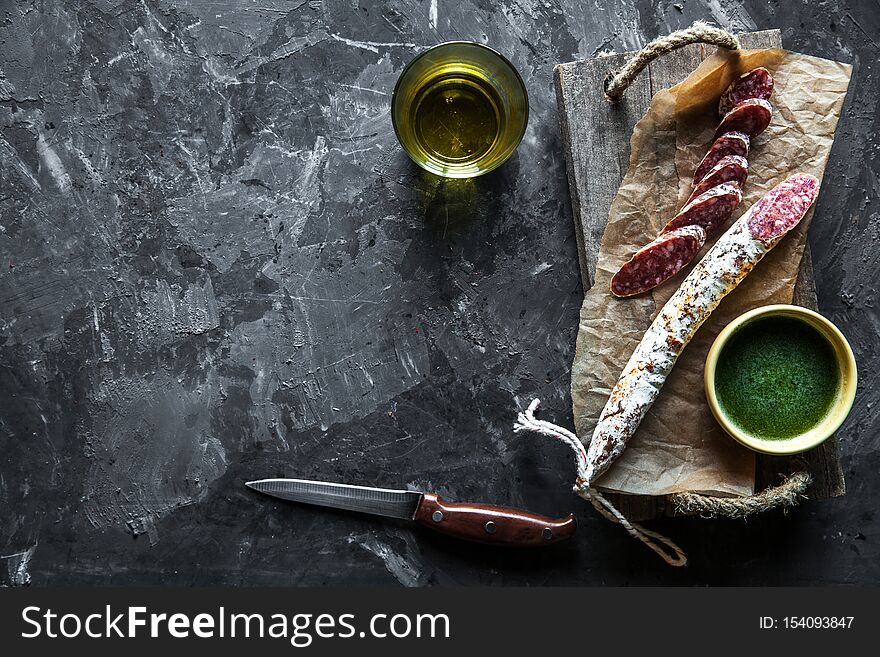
[663, 546]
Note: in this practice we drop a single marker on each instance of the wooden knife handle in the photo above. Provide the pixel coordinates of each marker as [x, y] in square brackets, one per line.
[497, 525]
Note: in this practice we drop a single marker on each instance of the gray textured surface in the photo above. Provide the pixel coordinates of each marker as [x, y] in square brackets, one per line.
[217, 265]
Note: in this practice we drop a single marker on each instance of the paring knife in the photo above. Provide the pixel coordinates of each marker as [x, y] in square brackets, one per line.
[475, 522]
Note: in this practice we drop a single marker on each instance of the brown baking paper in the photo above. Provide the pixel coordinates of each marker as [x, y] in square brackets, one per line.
[679, 446]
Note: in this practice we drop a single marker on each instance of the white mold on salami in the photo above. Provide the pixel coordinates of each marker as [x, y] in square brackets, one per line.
[732, 257]
[658, 261]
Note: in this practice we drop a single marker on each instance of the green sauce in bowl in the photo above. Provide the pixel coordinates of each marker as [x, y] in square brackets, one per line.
[777, 378]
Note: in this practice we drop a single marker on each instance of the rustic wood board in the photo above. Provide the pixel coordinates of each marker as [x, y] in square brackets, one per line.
[596, 136]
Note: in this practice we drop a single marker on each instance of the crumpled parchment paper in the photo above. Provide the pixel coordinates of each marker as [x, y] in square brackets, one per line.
[679, 446]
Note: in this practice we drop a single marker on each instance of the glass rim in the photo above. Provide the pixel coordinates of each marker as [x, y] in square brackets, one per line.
[460, 42]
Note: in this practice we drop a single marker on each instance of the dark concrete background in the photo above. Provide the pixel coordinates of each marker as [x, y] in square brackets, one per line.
[216, 264]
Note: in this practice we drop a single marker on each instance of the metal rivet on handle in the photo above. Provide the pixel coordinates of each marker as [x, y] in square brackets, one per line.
[548, 533]
[437, 516]
[490, 527]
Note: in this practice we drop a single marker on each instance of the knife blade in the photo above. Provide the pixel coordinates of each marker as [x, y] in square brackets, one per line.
[483, 523]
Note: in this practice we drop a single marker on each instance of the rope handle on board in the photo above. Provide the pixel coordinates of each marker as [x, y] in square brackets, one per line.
[699, 32]
[786, 495]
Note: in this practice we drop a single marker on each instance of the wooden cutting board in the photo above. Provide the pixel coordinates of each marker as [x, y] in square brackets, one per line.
[596, 137]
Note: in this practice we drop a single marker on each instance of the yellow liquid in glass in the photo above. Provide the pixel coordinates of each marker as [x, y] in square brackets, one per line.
[457, 119]
[459, 109]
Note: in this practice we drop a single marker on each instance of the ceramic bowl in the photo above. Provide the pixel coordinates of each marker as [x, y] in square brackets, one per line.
[845, 362]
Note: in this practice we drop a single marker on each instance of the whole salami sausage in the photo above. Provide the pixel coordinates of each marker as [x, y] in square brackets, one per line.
[731, 169]
[757, 83]
[730, 143]
[661, 259]
[710, 210]
[720, 271]
[750, 116]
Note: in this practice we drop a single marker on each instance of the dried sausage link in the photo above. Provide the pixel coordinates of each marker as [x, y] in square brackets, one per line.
[732, 257]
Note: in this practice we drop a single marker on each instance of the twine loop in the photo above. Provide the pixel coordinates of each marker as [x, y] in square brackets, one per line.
[785, 496]
[663, 546]
[699, 32]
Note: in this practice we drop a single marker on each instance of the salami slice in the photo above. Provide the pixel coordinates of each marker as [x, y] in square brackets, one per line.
[757, 83]
[730, 143]
[731, 169]
[710, 210]
[732, 257]
[750, 116]
[660, 260]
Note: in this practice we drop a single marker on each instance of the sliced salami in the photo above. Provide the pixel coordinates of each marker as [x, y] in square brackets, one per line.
[757, 83]
[730, 143]
[731, 169]
[710, 210]
[750, 116]
[732, 257]
[660, 260]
